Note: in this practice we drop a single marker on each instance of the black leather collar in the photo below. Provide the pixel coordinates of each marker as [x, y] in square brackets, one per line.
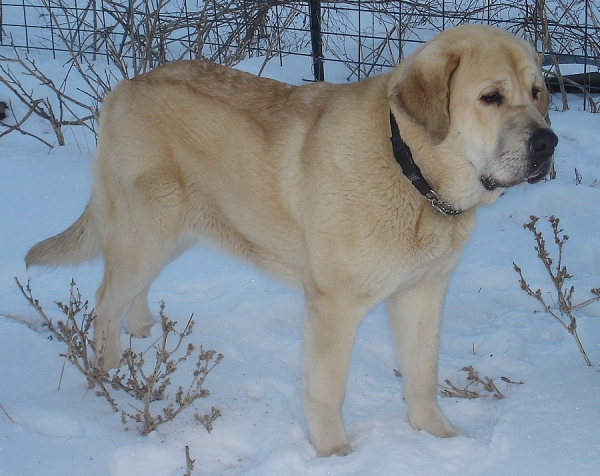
[411, 170]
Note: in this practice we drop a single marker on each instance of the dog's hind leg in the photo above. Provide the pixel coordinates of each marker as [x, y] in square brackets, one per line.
[129, 272]
[141, 237]
[139, 317]
[140, 321]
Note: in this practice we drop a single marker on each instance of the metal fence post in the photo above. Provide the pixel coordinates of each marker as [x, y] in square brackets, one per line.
[314, 7]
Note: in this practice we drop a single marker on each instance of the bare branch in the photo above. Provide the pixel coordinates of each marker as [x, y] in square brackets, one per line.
[558, 275]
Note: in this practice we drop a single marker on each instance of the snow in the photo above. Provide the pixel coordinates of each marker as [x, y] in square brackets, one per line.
[51, 424]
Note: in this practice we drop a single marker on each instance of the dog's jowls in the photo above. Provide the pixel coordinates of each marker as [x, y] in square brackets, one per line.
[302, 182]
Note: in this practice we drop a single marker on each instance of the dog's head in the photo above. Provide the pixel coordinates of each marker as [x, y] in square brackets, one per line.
[477, 92]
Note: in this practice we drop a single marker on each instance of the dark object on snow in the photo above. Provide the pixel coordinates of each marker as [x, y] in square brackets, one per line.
[575, 83]
[3, 108]
[588, 79]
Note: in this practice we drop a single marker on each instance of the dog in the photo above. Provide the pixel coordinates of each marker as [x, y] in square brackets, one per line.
[304, 182]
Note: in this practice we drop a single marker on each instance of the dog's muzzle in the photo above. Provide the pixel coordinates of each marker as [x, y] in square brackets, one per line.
[541, 149]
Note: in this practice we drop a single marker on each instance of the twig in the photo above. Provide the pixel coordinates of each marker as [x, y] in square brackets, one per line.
[558, 275]
[189, 462]
[452, 391]
[43, 107]
[208, 419]
[17, 126]
[76, 338]
[474, 380]
[6, 413]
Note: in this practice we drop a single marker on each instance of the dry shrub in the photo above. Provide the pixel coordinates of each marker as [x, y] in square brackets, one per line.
[149, 384]
[562, 307]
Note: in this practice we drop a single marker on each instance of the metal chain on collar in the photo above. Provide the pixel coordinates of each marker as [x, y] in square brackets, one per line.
[411, 170]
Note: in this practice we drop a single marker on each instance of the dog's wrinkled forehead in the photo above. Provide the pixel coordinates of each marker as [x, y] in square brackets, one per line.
[501, 61]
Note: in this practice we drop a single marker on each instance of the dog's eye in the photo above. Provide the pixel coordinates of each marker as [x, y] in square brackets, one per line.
[535, 93]
[492, 98]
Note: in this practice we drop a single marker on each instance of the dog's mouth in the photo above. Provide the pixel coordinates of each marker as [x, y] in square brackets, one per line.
[539, 173]
[489, 183]
[531, 165]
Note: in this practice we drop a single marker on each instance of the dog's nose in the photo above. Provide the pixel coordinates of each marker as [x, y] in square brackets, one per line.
[542, 142]
[541, 147]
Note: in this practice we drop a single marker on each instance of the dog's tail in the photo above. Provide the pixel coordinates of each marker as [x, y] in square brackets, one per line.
[76, 244]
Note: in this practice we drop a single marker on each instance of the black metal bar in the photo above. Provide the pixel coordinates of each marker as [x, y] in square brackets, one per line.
[316, 39]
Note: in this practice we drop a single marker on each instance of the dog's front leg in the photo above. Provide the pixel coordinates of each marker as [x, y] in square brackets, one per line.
[330, 329]
[416, 314]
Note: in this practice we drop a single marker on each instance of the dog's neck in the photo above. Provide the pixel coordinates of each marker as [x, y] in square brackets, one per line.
[411, 170]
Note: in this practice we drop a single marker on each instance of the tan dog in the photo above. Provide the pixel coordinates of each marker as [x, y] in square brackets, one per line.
[302, 181]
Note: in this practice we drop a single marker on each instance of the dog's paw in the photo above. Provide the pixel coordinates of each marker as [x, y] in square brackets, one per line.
[329, 443]
[436, 423]
[140, 331]
[447, 430]
[140, 321]
[345, 450]
[108, 360]
[341, 450]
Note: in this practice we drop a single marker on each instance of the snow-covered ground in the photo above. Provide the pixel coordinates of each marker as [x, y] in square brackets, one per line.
[51, 424]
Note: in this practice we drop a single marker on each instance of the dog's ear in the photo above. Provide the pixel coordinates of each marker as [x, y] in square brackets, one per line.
[423, 91]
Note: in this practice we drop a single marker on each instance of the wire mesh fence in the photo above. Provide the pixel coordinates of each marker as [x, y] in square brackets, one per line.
[366, 36]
